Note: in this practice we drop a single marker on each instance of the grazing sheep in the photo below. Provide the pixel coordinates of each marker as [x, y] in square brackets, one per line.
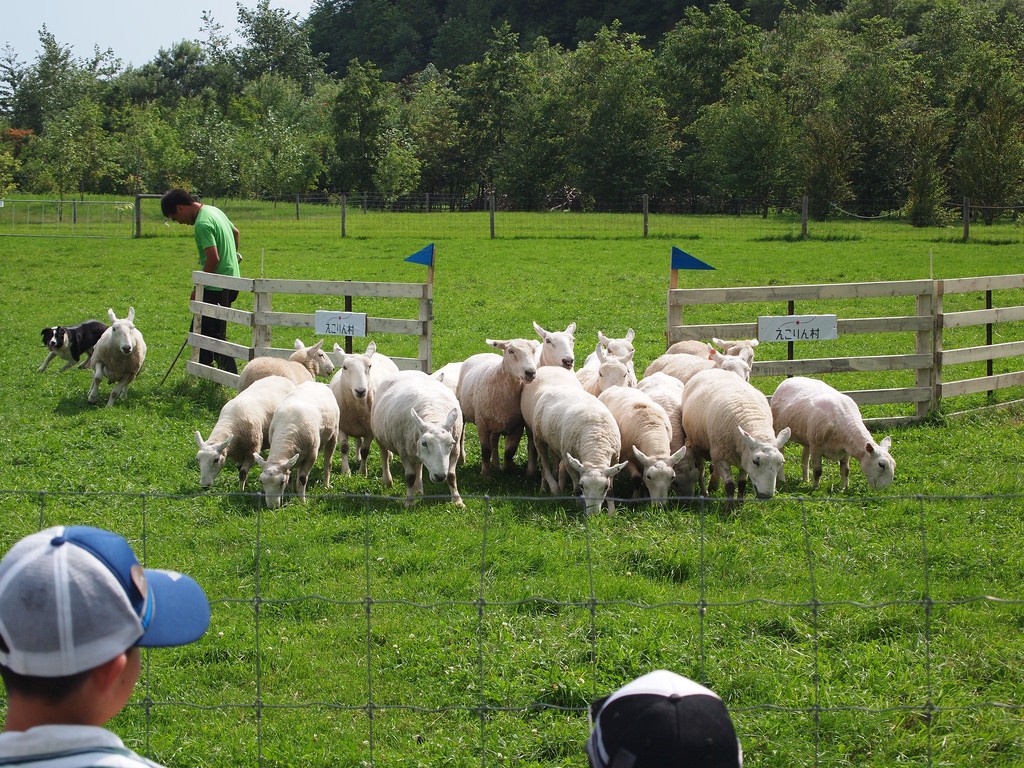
[645, 438]
[305, 422]
[304, 364]
[558, 347]
[118, 356]
[690, 347]
[729, 421]
[354, 386]
[828, 423]
[611, 372]
[489, 391]
[242, 429]
[667, 391]
[620, 348]
[418, 418]
[684, 366]
[580, 431]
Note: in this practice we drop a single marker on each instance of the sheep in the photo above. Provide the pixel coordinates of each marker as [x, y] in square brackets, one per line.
[489, 390]
[304, 364]
[667, 391]
[418, 418]
[690, 347]
[558, 347]
[828, 423]
[449, 375]
[354, 386]
[305, 422]
[684, 366]
[611, 372]
[242, 429]
[621, 348]
[729, 421]
[118, 355]
[645, 439]
[742, 347]
[580, 431]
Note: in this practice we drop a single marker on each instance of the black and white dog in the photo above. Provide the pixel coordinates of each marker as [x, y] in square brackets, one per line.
[71, 342]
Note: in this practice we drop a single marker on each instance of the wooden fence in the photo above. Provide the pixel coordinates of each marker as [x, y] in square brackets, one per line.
[932, 329]
[263, 319]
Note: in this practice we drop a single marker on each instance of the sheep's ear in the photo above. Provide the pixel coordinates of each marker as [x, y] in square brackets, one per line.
[630, 335]
[783, 437]
[371, 348]
[299, 344]
[318, 346]
[111, 316]
[338, 348]
[131, 314]
[199, 440]
[292, 461]
[260, 460]
[602, 339]
[886, 443]
[641, 456]
[420, 421]
[629, 357]
[571, 328]
[601, 356]
[614, 469]
[678, 456]
[451, 419]
[498, 343]
[575, 463]
[540, 331]
[224, 446]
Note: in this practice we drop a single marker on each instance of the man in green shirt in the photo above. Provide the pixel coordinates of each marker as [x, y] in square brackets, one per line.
[217, 242]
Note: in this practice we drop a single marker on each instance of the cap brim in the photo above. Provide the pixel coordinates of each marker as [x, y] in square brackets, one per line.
[181, 612]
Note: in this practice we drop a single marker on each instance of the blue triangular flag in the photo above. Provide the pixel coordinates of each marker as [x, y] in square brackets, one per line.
[682, 260]
[424, 256]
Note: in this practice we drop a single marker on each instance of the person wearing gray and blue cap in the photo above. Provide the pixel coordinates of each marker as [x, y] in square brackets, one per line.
[75, 608]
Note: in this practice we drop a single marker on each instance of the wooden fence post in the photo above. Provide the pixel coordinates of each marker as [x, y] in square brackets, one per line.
[645, 214]
[490, 205]
[804, 208]
[344, 210]
[967, 218]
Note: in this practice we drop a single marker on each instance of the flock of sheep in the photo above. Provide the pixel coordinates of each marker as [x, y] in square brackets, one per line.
[693, 405]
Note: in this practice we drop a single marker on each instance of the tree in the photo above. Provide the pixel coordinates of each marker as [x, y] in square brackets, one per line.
[70, 152]
[276, 43]
[431, 112]
[363, 112]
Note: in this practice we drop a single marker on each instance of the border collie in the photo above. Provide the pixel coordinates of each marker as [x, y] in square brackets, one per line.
[71, 342]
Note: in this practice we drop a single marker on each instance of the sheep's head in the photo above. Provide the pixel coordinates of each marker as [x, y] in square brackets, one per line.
[211, 458]
[762, 461]
[878, 466]
[658, 474]
[559, 346]
[436, 443]
[595, 482]
[122, 332]
[274, 478]
[518, 357]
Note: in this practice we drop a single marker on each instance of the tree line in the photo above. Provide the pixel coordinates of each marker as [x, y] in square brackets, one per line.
[885, 105]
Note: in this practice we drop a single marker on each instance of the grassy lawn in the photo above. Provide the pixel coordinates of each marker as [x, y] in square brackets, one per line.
[852, 628]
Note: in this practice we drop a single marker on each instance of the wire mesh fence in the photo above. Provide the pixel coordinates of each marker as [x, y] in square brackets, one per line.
[67, 218]
[357, 642]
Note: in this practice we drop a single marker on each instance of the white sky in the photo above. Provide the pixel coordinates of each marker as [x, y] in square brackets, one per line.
[135, 29]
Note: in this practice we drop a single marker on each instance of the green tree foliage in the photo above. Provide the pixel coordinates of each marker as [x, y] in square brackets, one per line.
[275, 42]
[364, 110]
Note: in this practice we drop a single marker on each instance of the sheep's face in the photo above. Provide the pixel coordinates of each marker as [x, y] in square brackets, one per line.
[595, 483]
[687, 476]
[434, 450]
[211, 458]
[879, 467]
[762, 461]
[559, 347]
[612, 373]
[324, 364]
[274, 478]
[122, 336]
[519, 358]
[355, 375]
[658, 474]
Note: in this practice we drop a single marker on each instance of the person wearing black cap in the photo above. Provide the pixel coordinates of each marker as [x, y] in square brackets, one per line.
[75, 607]
[662, 720]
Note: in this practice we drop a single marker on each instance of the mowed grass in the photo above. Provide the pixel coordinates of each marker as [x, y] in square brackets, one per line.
[852, 628]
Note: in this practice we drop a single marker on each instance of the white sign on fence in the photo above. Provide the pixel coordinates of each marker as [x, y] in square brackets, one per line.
[333, 323]
[797, 327]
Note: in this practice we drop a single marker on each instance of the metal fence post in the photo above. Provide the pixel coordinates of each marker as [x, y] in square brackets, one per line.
[344, 211]
[967, 218]
[645, 214]
[490, 204]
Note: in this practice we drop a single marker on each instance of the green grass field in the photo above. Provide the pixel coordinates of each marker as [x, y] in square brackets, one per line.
[841, 628]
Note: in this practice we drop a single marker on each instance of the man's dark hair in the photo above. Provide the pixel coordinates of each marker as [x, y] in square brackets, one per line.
[173, 199]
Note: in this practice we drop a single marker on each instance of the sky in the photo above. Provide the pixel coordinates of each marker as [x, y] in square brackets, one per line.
[135, 29]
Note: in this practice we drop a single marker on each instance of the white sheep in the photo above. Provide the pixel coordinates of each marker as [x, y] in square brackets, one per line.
[742, 347]
[448, 375]
[489, 392]
[610, 372]
[667, 391]
[729, 421]
[304, 364]
[581, 433]
[690, 347]
[305, 423]
[621, 348]
[354, 385]
[242, 429]
[418, 418]
[645, 440]
[558, 347]
[118, 356]
[684, 366]
[828, 423]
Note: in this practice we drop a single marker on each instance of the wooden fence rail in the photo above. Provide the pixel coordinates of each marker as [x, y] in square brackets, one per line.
[263, 318]
[928, 325]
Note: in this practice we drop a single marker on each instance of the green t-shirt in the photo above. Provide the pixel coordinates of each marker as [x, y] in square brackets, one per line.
[213, 227]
